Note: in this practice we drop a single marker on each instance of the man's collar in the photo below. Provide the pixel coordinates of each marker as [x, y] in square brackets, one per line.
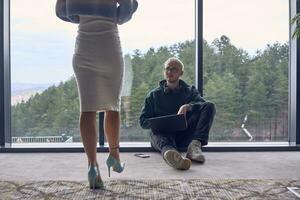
[182, 86]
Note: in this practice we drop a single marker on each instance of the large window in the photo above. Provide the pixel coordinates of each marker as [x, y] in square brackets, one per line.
[45, 106]
[245, 68]
[246, 64]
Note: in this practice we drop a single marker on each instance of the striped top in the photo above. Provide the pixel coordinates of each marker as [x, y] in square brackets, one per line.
[119, 11]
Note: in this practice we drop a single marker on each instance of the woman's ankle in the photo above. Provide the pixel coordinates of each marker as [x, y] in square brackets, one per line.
[93, 163]
[115, 153]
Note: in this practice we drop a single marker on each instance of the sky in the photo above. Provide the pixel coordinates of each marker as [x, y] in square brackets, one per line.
[42, 45]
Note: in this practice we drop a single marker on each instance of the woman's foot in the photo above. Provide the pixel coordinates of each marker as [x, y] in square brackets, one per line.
[94, 177]
[114, 152]
[113, 161]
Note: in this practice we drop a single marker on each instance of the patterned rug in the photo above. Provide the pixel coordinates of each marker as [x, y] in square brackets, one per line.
[152, 189]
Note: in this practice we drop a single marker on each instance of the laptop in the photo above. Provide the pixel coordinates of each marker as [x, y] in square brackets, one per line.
[168, 123]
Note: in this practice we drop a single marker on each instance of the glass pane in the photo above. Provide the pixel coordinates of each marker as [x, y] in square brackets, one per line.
[246, 68]
[45, 105]
[153, 35]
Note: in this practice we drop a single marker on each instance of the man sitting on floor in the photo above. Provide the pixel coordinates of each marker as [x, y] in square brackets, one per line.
[173, 96]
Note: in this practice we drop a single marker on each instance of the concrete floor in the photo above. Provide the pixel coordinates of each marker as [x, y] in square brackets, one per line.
[225, 165]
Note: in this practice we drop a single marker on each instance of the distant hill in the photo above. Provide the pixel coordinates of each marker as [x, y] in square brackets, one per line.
[23, 91]
[18, 88]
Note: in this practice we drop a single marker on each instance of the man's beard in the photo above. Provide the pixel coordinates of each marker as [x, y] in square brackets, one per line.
[173, 81]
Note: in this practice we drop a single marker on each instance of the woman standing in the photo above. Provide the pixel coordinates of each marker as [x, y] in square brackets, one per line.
[98, 68]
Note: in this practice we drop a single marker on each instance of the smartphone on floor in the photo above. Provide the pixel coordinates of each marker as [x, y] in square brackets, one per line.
[141, 155]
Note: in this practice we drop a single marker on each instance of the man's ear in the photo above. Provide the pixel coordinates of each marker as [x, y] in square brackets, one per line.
[181, 73]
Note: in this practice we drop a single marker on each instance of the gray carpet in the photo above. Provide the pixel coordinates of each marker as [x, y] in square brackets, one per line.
[152, 189]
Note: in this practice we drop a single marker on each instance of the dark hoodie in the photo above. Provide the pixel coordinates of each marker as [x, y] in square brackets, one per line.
[164, 101]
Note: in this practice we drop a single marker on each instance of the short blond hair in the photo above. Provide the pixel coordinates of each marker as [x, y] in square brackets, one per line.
[176, 60]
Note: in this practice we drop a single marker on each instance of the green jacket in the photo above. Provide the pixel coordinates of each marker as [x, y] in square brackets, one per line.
[164, 101]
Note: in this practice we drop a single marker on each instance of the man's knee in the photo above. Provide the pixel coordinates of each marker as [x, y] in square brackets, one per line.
[210, 107]
[206, 106]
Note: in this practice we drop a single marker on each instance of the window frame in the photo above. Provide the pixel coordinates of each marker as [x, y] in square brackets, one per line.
[5, 94]
[294, 80]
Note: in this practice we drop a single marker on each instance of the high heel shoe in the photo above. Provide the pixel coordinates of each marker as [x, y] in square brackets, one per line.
[112, 162]
[94, 178]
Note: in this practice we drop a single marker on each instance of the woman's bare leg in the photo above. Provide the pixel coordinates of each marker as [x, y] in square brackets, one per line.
[112, 129]
[89, 136]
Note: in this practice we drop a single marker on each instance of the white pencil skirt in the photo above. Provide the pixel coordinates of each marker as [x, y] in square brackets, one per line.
[98, 64]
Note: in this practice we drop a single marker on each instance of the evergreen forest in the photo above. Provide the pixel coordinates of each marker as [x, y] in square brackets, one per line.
[247, 89]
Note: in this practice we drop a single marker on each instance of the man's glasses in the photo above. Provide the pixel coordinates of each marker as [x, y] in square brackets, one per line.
[171, 69]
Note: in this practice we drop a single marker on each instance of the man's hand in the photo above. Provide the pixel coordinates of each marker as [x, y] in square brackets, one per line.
[183, 109]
